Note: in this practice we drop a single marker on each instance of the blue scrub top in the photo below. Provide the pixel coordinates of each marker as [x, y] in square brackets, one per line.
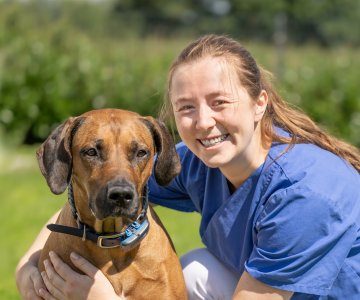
[294, 224]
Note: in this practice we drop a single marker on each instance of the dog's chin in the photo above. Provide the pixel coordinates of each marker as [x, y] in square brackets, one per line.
[116, 212]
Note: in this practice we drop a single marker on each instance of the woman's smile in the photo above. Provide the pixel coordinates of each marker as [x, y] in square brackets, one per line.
[210, 142]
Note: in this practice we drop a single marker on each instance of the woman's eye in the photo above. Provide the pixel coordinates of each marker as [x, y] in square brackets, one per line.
[141, 153]
[219, 102]
[91, 152]
[185, 108]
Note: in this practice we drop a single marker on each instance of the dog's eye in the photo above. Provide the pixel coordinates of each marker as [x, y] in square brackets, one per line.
[141, 153]
[91, 152]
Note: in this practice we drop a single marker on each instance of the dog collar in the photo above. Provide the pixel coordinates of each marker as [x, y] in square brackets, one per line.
[132, 235]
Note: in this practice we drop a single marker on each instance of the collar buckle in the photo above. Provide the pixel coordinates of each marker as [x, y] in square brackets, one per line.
[113, 237]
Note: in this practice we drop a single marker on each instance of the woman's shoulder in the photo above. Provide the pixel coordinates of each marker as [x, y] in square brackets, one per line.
[309, 181]
[314, 173]
[311, 161]
[310, 157]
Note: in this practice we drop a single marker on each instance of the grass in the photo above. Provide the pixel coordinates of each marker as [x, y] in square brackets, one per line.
[27, 203]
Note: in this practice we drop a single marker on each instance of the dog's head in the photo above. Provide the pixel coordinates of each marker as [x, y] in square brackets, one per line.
[109, 155]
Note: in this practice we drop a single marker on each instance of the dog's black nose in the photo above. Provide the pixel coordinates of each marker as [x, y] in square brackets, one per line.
[122, 194]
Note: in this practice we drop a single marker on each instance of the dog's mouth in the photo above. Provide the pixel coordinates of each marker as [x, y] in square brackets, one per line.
[109, 225]
[114, 221]
[114, 211]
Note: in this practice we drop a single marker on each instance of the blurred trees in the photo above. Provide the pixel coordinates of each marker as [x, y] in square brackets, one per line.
[61, 58]
[327, 22]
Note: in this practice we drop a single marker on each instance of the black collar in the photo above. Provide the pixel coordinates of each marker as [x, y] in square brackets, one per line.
[133, 233]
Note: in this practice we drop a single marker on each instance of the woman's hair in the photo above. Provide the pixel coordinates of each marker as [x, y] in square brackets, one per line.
[255, 79]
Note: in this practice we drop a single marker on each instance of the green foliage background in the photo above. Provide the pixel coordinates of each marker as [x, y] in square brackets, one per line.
[61, 58]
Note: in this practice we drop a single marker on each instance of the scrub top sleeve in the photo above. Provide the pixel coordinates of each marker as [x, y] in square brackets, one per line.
[301, 240]
[172, 196]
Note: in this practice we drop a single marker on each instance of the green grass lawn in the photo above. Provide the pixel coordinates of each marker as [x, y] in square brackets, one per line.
[27, 203]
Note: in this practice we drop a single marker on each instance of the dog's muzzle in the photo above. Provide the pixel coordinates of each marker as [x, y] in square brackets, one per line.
[117, 199]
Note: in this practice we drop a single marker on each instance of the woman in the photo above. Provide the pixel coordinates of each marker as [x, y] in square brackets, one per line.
[279, 198]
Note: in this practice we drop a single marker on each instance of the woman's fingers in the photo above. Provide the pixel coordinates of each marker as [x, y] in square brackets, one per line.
[52, 292]
[32, 295]
[29, 281]
[83, 265]
[62, 282]
[46, 295]
[53, 276]
[60, 267]
[38, 284]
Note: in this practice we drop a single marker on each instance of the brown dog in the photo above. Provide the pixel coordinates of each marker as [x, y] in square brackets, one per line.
[105, 157]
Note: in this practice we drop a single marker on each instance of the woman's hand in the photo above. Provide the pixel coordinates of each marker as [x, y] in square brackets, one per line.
[28, 279]
[62, 282]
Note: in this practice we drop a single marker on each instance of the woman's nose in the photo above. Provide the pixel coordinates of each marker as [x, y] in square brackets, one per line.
[205, 118]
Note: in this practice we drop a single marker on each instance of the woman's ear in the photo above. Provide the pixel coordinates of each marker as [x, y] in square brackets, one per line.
[260, 105]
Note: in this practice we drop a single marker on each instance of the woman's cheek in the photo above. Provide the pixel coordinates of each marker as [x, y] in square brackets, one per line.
[183, 124]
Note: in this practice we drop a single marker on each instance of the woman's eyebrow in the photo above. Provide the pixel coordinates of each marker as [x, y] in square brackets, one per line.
[182, 99]
[217, 94]
[213, 94]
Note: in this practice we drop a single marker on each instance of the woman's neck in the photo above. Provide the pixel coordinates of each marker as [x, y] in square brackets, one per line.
[243, 166]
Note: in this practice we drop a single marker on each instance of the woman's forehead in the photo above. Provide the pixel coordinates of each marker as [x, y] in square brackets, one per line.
[213, 74]
[216, 63]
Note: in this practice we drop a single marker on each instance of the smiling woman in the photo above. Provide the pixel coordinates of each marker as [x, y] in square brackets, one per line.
[276, 220]
[253, 167]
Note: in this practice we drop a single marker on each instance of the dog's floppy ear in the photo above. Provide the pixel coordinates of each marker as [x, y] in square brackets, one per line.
[167, 164]
[54, 155]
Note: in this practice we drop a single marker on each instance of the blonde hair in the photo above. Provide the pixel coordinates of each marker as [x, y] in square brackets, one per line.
[255, 79]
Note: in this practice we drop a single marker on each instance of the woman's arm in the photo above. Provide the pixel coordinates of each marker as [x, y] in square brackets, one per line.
[59, 281]
[28, 278]
[251, 289]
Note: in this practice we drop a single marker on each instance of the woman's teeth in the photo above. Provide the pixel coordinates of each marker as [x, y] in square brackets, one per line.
[214, 141]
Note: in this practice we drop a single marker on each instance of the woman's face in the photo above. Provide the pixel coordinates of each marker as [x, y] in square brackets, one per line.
[214, 114]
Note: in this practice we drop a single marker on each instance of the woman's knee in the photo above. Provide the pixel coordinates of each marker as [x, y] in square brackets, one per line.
[206, 277]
